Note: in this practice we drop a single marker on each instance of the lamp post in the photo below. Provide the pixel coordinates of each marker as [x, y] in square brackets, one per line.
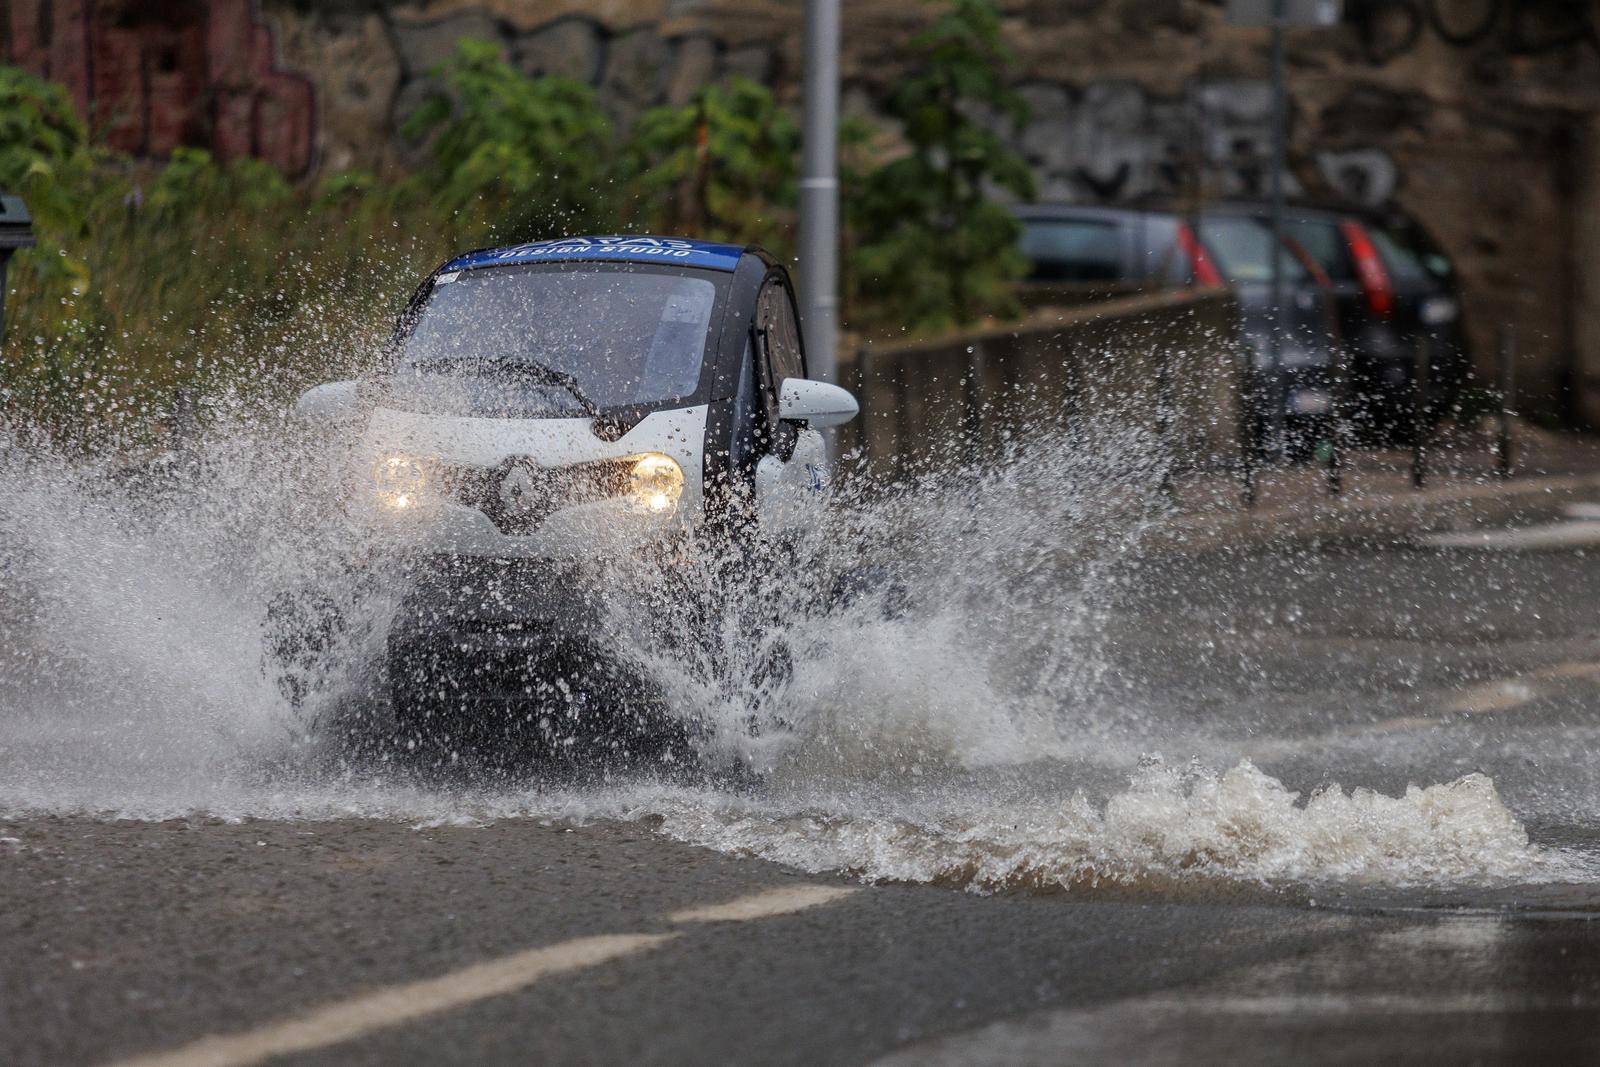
[819, 191]
[16, 231]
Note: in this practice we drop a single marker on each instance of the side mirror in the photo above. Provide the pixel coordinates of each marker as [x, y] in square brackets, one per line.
[817, 404]
[327, 403]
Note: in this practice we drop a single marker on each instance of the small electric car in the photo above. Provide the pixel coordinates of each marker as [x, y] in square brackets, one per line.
[551, 407]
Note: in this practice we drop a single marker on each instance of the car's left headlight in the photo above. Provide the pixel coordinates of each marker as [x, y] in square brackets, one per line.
[655, 482]
[401, 481]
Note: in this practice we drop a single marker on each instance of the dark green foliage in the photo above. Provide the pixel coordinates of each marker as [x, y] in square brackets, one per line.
[45, 158]
[935, 246]
[721, 167]
[192, 273]
[529, 157]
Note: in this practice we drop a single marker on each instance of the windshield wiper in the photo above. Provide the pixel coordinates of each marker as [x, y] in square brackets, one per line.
[517, 369]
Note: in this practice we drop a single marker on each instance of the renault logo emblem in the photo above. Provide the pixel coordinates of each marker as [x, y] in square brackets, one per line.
[517, 490]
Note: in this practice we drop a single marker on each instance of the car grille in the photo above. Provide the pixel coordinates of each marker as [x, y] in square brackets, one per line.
[518, 495]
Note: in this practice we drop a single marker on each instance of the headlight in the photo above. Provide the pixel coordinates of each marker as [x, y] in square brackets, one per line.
[1438, 310]
[655, 483]
[401, 481]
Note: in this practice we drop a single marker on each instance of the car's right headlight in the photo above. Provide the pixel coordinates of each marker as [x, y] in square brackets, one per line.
[655, 482]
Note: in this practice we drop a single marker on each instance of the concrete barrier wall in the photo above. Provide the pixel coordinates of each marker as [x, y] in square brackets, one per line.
[1168, 363]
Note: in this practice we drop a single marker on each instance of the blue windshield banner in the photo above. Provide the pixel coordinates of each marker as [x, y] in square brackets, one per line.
[675, 250]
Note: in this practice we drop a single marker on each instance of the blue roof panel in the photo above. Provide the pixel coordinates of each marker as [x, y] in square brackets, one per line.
[674, 250]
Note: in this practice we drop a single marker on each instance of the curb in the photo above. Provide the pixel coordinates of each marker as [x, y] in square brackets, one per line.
[1390, 516]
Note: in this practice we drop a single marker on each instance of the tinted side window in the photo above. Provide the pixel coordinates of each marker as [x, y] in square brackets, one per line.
[778, 355]
[1404, 265]
[748, 413]
[1073, 250]
[1422, 246]
[776, 321]
[1242, 247]
[1161, 258]
[1324, 243]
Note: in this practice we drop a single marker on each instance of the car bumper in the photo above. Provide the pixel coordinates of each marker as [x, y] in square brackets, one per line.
[517, 654]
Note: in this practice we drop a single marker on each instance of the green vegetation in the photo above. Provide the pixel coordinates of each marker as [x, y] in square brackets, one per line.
[934, 247]
[224, 279]
[192, 274]
[722, 167]
[519, 156]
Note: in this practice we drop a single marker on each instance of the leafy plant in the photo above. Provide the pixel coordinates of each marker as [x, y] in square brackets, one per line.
[45, 157]
[520, 157]
[220, 279]
[722, 166]
[936, 247]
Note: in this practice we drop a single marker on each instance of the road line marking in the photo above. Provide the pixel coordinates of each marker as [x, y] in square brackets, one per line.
[1394, 726]
[380, 1009]
[784, 901]
[1574, 534]
[1492, 696]
[1582, 511]
[391, 1006]
[1572, 669]
[1504, 694]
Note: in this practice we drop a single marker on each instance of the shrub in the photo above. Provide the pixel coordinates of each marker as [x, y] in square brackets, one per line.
[936, 247]
[721, 167]
[522, 157]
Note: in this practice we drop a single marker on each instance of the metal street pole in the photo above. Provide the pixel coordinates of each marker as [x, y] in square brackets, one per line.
[1280, 152]
[819, 191]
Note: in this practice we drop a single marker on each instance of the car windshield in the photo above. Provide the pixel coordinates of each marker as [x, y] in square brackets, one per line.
[559, 341]
[1405, 267]
[1072, 250]
[1242, 248]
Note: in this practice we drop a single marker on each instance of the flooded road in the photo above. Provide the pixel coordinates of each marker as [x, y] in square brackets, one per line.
[1334, 801]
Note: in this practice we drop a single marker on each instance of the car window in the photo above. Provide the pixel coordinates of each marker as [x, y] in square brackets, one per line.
[776, 316]
[778, 356]
[748, 412]
[1242, 248]
[1161, 256]
[1072, 250]
[1403, 265]
[1324, 243]
[1422, 246]
[625, 336]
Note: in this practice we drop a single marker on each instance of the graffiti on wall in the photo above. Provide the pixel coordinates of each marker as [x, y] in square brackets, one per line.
[156, 74]
[1115, 141]
[1112, 140]
[1390, 28]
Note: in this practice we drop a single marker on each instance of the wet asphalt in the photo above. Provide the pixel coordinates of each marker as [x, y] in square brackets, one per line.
[1371, 665]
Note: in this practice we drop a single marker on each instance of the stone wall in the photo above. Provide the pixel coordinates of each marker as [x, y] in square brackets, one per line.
[1478, 116]
[156, 74]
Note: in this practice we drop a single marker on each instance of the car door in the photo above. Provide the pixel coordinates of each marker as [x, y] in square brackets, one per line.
[789, 474]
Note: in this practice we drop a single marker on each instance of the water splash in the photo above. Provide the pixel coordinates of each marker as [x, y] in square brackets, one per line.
[933, 725]
[1239, 824]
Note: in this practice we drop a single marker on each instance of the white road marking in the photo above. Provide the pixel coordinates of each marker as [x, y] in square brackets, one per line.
[764, 905]
[383, 1008]
[1504, 694]
[1493, 696]
[1582, 511]
[380, 1009]
[1553, 535]
[1572, 669]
